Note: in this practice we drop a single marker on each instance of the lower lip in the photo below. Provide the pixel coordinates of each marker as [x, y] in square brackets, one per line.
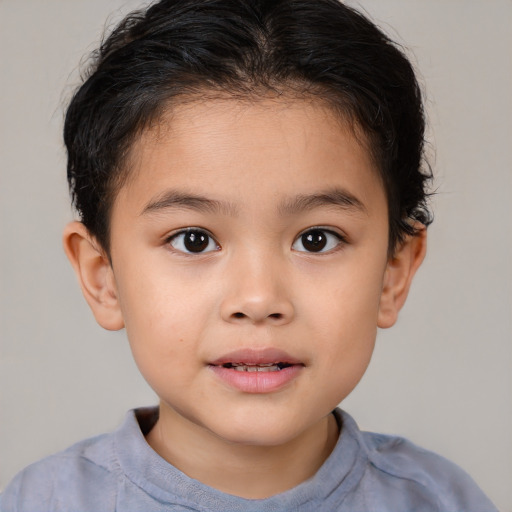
[257, 382]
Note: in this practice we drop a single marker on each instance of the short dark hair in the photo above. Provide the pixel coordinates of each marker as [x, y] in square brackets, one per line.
[177, 48]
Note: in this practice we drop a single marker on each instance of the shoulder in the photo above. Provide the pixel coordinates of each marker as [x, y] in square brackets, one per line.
[78, 475]
[418, 476]
[426, 474]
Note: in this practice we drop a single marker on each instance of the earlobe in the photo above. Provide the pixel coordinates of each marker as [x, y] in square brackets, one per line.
[398, 276]
[95, 276]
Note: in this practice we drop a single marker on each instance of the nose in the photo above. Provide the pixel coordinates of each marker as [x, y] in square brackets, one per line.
[257, 292]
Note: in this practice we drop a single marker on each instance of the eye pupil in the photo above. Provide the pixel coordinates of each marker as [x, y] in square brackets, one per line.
[195, 241]
[314, 241]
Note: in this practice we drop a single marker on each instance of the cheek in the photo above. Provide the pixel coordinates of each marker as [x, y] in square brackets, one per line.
[164, 343]
[157, 299]
[346, 319]
[350, 296]
[165, 321]
[345, 346]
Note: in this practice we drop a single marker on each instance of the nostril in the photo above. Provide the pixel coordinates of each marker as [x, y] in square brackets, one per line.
[239, 314]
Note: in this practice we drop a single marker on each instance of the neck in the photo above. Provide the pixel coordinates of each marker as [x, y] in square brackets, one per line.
[252, 472]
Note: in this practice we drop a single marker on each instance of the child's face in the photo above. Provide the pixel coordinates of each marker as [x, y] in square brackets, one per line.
[285, 262]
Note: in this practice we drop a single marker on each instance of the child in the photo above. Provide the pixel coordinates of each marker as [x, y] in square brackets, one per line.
[252, 199]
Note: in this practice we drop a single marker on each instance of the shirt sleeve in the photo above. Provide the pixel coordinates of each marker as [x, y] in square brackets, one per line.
[427, 477]
[61, 483]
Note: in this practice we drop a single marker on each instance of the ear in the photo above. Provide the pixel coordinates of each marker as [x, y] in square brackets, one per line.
[95, 275]
[400, 270]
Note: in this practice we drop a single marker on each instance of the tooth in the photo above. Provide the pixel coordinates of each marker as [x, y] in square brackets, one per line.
[265, 367]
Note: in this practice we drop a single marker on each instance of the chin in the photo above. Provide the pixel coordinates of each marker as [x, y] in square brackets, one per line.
[261, 437]
[257, 429]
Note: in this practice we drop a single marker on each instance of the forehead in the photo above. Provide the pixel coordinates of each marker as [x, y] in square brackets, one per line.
[267, 149]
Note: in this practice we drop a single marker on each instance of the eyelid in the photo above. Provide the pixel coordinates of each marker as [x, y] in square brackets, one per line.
[342, 239]
[183, 231]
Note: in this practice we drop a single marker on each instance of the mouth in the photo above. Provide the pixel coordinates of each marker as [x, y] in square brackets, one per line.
[257, 360]
[257, 371]
[263, 367]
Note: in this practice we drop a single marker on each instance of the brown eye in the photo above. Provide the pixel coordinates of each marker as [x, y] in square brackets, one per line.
[314, 241]
[193, 241]
[317, 240]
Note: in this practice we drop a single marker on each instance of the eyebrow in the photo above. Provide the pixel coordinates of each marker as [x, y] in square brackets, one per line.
[336, 197]
[182, 200]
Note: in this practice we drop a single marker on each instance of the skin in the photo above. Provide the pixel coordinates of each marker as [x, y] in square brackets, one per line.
[266, 172]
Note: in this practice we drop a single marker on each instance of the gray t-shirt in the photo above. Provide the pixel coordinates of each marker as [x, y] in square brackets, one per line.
[120, 472]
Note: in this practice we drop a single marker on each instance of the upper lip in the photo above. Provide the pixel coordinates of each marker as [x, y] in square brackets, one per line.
[251, 356]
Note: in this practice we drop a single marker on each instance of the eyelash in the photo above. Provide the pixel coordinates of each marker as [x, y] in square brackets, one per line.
[327, 234]
[319, 238]
[193, 231]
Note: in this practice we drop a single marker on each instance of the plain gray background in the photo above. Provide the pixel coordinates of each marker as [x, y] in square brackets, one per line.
[441, 377]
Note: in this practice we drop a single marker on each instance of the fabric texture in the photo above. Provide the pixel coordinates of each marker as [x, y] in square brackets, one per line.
[120, 472]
